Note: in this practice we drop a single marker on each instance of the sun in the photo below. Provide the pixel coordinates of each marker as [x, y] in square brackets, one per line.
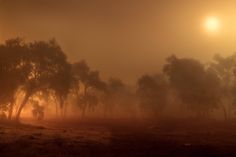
[212, 24]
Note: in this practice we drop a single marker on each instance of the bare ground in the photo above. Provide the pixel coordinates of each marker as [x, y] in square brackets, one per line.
[124, 138]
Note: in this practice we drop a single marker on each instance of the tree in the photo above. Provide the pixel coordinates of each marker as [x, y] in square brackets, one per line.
[197, 87]
[61, 85]
[114, 95]
[225, 69]
[91, 85]
[152, 92]
[48, 70]
[13, 71]
[38, 110]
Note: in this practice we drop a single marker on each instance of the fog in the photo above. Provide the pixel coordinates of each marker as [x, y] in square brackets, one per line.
[123, 39]
[117, 78]
[120, 38]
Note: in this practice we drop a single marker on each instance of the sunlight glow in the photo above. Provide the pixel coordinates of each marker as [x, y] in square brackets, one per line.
[212, 24]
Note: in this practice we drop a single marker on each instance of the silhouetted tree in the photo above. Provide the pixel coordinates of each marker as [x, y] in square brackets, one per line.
[13, 71]
[48, 65]
[225, 68]
[90, 83]
[38, 110]
[152, 92]
[61, 84]
[114, 95]
[198, 88]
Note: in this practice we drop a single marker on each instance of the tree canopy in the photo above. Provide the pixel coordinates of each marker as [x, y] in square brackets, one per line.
[197, 86]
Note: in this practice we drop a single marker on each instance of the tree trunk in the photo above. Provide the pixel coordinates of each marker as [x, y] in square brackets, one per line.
[61, 105]
[225, 112]
[85, 104]
[64, 110]
[22, 105]
[11, 109]
[84, 109]
[56, 109]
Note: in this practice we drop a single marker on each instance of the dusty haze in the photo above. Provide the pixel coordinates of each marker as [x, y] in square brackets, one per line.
[139, 78]
[123, 38]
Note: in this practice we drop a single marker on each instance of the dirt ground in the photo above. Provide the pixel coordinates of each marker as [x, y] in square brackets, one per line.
[124, 138]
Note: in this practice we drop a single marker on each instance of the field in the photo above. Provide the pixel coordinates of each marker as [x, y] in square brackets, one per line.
[124, 138]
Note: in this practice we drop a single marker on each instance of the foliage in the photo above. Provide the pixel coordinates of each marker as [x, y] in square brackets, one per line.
[41, 69]
[152, 91]
[197, 87]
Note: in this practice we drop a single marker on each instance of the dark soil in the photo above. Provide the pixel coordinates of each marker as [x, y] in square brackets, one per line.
[108, 138]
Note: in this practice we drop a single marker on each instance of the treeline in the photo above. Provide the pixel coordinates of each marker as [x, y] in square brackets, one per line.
[39, 71]
[196, 87]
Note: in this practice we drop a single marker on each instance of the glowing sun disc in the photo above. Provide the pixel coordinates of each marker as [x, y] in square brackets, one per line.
[212, 24]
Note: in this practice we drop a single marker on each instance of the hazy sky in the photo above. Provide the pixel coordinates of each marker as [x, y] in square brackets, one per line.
[123, 38]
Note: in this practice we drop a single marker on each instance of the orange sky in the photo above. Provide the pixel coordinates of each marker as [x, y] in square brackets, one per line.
[123, 38]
